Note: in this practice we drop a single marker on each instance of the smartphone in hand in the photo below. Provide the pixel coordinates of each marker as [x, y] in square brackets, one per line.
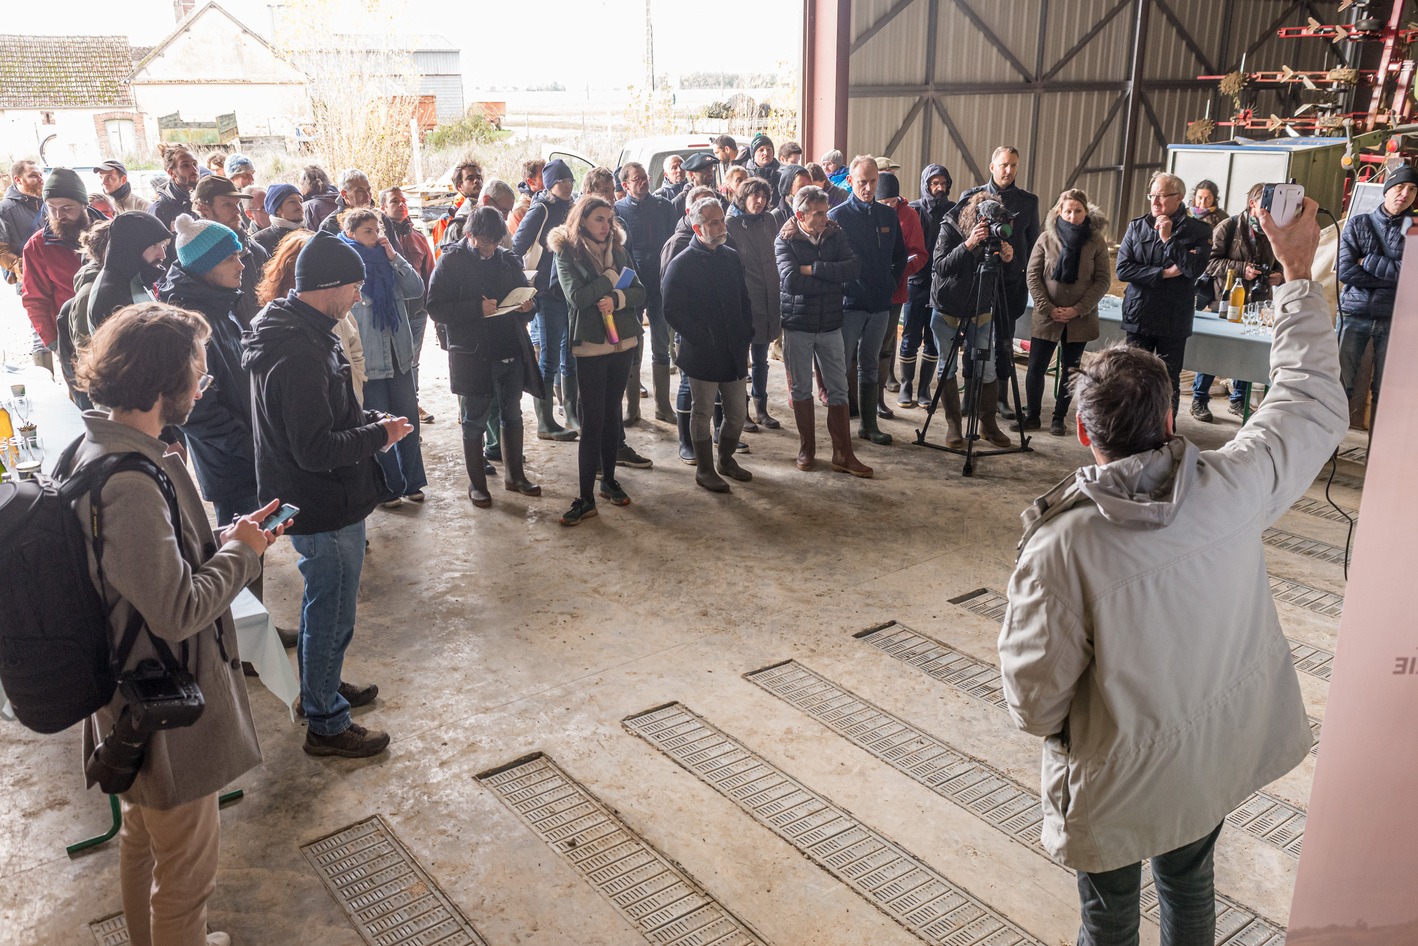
[280, 517]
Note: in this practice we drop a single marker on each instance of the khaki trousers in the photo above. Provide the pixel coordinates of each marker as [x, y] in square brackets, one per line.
[167, 865]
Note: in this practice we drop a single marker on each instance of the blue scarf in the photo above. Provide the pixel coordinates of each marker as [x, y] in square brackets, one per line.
[378, 284]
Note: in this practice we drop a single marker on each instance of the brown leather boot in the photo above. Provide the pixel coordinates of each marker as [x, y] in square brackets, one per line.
[989, 407]
[806, 420]
[839, 426]
[950, 400]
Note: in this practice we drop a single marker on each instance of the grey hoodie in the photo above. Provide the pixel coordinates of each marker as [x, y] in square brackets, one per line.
[1159, 677]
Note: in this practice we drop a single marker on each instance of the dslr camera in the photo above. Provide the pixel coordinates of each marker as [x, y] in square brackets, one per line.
[156, 698]
[1001, 227]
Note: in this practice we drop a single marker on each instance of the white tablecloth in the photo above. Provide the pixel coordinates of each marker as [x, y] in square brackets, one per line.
[259, 644]
[58, 420]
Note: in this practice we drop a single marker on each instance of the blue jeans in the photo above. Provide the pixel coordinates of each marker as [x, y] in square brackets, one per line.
[556, 346]
[1355, 334]
[1110, 905]
[330, 563]
[976, 333]
[1201, 389]
[402, 465]
[862, 337]
[475, 413]
[916, 330]
[758, 370]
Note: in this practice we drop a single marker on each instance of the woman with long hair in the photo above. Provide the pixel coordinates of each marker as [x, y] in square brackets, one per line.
[278, 279]
[603, 300]
[1068, 273]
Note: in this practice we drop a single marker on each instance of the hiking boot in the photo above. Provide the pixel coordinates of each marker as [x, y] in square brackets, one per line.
[1201, 411]
[1237, 408]
[580, 509]
[1057, 427]
[354, 695]
[610, 490]
[1027, 422]
[626, 456]
[356, 742]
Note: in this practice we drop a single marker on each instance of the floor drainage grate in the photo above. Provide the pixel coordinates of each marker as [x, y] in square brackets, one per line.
[1290, 542]
[1346, 480]
[1303, 596]
[390, 899]
[1323, 509]
[947, 771]
[1272, 820]
[1311, 660]
[1355, 455]
[110, 931]
[657, 897]
[983, 601]
[882, 872]
[906, 644]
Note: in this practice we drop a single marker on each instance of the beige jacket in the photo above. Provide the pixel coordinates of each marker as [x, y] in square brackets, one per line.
[348, 333]
[1141, 639]
[1095, 276]
[144, 569]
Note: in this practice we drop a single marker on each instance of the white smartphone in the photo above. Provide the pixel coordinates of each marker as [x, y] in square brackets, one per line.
[1284, 201]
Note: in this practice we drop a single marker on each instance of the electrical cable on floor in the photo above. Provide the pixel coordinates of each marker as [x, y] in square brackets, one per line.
[1334, 457]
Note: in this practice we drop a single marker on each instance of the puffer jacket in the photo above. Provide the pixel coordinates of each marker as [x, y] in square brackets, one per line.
[1163, 686]
[218, 430]
[1234, 245]
[125, 278]
[707, 305]
[172, 202]
[1370, 251]
[874, 231]
[753, 238]
[1095, 277]
[20, 216]
[1154, 304]
[583, 288]
[545, 215]
[183, 585]
[813, 303]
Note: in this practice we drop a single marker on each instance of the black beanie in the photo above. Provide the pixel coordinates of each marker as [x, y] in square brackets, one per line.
[327, 262]
[1402, 175]
[887, 186]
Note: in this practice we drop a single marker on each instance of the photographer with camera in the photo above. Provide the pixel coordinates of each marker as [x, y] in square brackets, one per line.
[1241, 249]
[148, 363]
[968, 247]
[1162, 254]
[1162, 687]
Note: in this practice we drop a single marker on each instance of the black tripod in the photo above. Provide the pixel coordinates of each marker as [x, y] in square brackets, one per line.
[989, 286]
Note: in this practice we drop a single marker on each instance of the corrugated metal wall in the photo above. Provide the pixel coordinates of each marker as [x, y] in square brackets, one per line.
[993, 72]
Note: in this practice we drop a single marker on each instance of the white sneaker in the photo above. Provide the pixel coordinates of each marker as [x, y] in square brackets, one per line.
[218, 939]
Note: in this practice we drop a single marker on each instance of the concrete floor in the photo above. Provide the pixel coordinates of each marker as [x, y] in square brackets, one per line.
[496, 633]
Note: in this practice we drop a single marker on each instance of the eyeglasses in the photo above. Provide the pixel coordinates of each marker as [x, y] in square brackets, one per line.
[1163, 196]
[203, 383]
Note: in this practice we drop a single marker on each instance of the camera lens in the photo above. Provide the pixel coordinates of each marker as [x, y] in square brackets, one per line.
[116, 760]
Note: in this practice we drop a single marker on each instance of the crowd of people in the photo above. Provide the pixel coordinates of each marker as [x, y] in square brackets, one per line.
[271, 335]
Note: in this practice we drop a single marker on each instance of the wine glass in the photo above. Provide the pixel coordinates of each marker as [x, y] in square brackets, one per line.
[1250, 317]
[21, 405]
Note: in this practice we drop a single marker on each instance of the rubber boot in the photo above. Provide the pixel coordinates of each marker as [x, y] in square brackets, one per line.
[839, 427]
[805, 417]
[664, 411]
[632, 390]
[706, 476]
[477, 473]
[729, 467]
[950, 400]
[908, 379]
[989, 426]
[761, 415]
[686, 445]
[867, 428]
[749, 427]
[883, 410]
[547, 427]
[928, 377]
[514, 477]
[571, 401]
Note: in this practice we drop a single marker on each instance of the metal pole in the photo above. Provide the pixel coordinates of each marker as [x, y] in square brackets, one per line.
[1134, 91]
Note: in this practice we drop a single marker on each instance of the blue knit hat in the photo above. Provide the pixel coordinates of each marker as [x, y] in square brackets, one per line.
[276, 195]
[202, 244]
[556, 171]
[237, 163]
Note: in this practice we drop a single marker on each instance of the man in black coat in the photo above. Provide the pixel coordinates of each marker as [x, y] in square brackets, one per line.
[648, 221]
[932, 208]
[315, 449]
[1162, 255]
[706, 302]
[1004, 168]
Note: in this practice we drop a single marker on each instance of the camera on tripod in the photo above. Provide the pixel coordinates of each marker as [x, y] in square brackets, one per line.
[157, 698]
[1001, 226]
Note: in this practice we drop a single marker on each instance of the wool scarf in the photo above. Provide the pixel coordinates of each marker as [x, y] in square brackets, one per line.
[1073, 236]
[378, 284]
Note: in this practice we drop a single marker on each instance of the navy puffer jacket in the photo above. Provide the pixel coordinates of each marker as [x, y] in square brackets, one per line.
[813, 303]
[874, 231]
[1369, 254]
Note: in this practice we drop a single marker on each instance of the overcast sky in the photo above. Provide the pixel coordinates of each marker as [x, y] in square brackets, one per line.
[550, 46]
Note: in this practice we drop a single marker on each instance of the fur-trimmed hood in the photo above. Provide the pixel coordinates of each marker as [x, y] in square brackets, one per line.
[793, 231]
[1095, 214]
[559, 238]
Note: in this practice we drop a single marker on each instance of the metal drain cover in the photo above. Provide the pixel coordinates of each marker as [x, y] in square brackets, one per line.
[1303, 596]
[1355, 455]
[658, 897]
[1290, 542]
[390, 899]
[111, 930]
[1324, 510]
[886, 875]
[1347, 480]
[946, 664]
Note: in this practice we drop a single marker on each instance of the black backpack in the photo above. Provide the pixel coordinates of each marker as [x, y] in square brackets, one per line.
[58, 664]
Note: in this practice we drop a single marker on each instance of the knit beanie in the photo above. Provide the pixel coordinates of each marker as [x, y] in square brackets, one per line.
[1403, 175]
[556, 171]
[202, 244]
[65, 183]
[327, 262]
[276, 195]
[237, 163]
[759, 141]
[887, 186]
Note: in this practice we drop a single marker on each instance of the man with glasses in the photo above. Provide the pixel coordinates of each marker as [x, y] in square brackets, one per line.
[1163, 253]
